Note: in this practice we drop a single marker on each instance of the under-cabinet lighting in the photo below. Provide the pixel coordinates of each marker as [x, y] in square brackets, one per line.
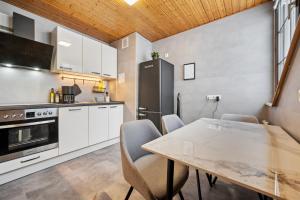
[36, 69]
[131, 2]
[7, 65]
[64, 44]
[78, 77]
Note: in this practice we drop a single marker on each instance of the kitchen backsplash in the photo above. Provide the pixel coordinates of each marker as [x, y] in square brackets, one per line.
[19, 86]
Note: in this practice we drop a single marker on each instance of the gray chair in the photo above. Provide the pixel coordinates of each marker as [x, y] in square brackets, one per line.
[171, 123]
[144, 171]
[240, 118]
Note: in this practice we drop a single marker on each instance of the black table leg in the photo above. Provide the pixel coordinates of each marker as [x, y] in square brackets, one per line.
[198, 185]
[170, 177]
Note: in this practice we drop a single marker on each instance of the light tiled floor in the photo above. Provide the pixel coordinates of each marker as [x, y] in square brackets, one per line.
[98, 176]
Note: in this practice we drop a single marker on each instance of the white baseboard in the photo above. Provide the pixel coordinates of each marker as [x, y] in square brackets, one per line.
[13, 175]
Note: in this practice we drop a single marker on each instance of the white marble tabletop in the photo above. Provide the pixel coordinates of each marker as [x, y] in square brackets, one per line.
[262, 158]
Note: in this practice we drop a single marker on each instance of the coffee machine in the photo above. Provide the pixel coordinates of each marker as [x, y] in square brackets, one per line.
[68, 94]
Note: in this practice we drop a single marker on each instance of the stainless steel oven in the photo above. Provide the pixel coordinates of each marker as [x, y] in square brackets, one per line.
[26, 132]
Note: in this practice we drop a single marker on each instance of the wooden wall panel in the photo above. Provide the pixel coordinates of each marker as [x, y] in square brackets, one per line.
[110, 20]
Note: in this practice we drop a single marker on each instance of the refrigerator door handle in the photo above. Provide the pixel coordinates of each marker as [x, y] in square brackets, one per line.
[141, 108]
[154, 112]
[142, 115]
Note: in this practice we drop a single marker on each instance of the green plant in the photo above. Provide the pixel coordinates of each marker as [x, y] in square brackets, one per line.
[155, 55]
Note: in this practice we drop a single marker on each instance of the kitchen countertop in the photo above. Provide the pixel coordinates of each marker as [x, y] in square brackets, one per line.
[54, 105]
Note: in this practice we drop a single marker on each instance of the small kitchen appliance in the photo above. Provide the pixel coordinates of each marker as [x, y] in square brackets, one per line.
[68, 94]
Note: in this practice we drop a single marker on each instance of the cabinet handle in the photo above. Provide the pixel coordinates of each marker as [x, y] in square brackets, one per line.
[66, 68]
[113, 106]
[101, 107]
[142, 115]
[95, 73]
[106, 74]
[31, 159]
[75, 109]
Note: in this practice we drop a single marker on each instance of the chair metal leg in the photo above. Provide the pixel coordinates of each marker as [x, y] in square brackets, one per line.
[260, 196]
[180, 195]
[215, 180]
[129, 193]
[263, 197]
[209, 177]
[170, 178]
[198, 185]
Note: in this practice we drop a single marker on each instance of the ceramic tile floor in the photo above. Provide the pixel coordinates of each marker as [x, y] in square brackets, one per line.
[98, 176]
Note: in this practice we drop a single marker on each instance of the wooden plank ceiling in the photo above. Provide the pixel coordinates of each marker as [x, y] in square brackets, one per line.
[110, 20]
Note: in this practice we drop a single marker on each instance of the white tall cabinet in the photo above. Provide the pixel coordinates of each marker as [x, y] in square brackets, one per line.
[98, 124]
[68, 50]
[73, 128]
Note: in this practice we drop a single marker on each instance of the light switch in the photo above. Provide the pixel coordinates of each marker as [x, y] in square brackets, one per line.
[299, 95]
[166, 55]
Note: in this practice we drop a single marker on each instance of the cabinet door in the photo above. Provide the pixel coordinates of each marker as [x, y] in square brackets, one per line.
[98, 124]
[91, 56]
[73, 129]
[69, 50]
[109, 61]
[115, 120]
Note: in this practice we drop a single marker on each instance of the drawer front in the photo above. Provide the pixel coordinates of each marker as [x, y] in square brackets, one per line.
[28, 160]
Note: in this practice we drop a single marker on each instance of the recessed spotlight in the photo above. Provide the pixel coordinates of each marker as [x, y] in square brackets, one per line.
[131, 2]
[65, 44]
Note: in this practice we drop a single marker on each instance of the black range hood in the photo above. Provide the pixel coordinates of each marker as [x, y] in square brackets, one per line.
[20, 49]
[21, 52]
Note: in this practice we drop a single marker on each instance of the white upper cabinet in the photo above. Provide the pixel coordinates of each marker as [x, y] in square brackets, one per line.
[80, 54]
[109, 61]
[91, 51]
[68, 50]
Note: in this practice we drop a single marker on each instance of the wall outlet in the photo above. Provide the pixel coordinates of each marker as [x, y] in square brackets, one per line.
[213, 97]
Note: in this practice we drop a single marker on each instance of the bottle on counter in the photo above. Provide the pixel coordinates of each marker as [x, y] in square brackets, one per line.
[107, 99]
[57, 97]
[52, 96]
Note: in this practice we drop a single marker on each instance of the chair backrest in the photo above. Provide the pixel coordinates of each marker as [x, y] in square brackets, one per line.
[240, 118]
[132, 136]
[136, 133]
[171, 123]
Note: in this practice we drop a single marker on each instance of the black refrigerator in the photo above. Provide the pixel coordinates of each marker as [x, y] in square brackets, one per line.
[156, 90]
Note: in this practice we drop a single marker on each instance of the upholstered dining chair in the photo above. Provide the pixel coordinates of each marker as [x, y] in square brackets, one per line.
[240, 118]
[144, 171]
[171, 123]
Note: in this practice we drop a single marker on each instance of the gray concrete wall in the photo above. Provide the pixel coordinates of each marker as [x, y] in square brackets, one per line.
[233, 58]
[24, 86]
[287, 113]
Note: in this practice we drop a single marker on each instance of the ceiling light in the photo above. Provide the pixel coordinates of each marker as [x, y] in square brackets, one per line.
[36, 69]
[131, 2]
[64, 44]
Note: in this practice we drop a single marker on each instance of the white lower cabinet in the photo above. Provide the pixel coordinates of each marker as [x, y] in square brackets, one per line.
[27, 160]
[73, 128]
[115, 120]
[98, 124]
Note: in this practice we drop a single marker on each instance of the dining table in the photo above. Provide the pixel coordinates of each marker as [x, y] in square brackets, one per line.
[259, 157]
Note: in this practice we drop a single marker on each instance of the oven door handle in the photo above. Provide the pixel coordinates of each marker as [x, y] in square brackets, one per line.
[27, 124]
